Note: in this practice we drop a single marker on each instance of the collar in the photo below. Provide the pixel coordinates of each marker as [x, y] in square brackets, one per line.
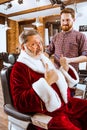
[67, 32]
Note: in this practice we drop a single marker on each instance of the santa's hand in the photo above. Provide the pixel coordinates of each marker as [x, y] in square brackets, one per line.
[50, 75]
[64, 62]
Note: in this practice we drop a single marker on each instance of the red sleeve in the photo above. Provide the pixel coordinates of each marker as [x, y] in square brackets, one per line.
[70, 71]
[24, 98]
[72, 90]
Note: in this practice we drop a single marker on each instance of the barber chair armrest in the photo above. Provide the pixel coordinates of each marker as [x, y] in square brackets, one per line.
[80, 91]
[38, 119]
[83, 73]
[11, 111]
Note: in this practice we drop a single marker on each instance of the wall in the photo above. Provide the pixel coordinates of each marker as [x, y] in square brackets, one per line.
[81, 19]
[81, 15]
[3, 47]
[9, 38]
[12, 37]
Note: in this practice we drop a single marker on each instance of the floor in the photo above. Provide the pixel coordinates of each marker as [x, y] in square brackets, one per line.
[3, 116]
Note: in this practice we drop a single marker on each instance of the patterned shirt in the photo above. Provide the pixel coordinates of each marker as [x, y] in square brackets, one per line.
[70, 44]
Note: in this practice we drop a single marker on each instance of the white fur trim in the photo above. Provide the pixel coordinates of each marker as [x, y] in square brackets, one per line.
[47, 94]
[62, 85]
[71, 81]
[36, 65]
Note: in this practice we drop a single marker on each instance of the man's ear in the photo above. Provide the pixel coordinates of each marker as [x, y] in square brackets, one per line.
[23, 46]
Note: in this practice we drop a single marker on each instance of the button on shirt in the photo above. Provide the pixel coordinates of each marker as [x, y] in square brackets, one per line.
[70, 44]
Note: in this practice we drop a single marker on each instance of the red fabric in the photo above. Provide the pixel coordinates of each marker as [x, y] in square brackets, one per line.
[71, 72]
[71, 116]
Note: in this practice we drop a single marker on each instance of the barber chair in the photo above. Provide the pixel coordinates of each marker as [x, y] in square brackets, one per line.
[83, 80]
[17, 120]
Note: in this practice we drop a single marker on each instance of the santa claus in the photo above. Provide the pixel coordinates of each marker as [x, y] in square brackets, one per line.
[37, 86]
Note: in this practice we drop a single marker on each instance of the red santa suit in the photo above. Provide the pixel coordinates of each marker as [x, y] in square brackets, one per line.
[31, 93]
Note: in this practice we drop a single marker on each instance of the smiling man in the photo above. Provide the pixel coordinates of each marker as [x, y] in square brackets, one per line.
[69, 42]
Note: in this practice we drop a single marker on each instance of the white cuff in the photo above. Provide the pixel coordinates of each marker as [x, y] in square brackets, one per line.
[71, 81]
[47, 94]
[62, 85]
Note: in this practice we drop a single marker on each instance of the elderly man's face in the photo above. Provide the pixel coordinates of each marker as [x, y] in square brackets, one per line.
[34, 45]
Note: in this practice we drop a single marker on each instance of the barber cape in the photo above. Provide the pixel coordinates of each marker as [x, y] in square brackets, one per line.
[41, 87]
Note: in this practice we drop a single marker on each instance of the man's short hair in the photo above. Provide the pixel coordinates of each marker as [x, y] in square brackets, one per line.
[70, 11]
[23, 36]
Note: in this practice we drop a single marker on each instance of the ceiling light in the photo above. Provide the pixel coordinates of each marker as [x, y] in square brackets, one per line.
[9, 5]
[20, 1]
[53, 2]
[6, 27]
[62, 6]
[37, 23]
[58, 1]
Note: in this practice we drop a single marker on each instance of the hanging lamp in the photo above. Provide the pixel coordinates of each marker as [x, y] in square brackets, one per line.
[6, 27]
[37, 23]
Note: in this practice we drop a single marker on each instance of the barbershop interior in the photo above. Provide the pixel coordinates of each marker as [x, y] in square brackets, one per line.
[44, 16]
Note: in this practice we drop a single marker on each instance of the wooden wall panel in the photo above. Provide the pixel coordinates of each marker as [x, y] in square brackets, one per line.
[12, 37]
[4, 1]
[2, 20]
